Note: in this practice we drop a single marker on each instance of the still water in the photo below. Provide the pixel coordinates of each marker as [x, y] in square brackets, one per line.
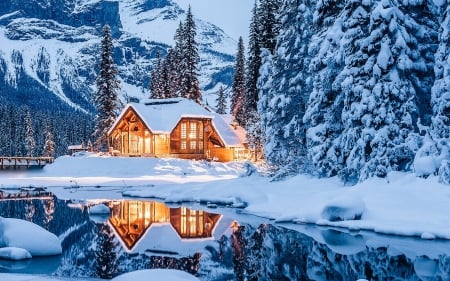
[215, 244]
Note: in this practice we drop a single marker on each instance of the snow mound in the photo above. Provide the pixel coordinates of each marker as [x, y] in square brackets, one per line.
[344, 208]
[156, 274]
[100, 209]
[13, 253]
[29, 236]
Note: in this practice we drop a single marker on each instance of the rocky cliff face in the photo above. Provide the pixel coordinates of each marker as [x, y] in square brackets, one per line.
[49, 49]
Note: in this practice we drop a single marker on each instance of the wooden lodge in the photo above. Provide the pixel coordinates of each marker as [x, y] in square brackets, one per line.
[175, 127]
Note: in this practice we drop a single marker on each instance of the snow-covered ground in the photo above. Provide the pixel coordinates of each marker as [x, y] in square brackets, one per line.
[401, 204]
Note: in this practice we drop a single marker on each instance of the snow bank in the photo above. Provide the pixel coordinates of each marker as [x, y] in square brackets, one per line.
[156, 274]
[29, 236]
[344, 208]
[13, 253]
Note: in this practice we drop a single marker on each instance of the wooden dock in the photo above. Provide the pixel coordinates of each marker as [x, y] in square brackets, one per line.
[24, 162]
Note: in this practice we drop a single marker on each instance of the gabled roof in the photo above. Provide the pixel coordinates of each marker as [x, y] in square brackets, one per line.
[162, 115]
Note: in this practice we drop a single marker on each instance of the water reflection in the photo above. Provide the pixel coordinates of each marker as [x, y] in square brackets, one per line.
[145, 234]
[132, 221]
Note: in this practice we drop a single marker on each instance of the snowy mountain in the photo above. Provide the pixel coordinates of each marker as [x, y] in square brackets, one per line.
[49, 48]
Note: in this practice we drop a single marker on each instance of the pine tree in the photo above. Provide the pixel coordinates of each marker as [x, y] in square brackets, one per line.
[440, 94]
[283, 88]
[381, 87]
[190, 58]
[106, 97]
[322, 114]
[253, 65]
[30, 143]
[238, 87]
[221, 101]
[269, 23]
[49, 145]
[155, 78]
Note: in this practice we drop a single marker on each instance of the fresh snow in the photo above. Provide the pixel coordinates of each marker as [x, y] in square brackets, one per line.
[14, 253]
[400, 204]
[16, 233]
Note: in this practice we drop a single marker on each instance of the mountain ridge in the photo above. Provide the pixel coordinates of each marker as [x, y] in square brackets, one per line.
[54, 45]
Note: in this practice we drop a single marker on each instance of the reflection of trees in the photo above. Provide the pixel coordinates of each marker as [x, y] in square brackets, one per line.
[105, 255]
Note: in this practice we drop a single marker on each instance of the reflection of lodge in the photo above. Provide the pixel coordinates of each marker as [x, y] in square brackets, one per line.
[132, 219]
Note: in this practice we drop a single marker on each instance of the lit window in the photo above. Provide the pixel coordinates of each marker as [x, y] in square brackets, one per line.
[183, 130]
[200, 144]
[193, 130]
[193, 223]
[200, 130]
[193, 145]
[183, 221]
[183, 144]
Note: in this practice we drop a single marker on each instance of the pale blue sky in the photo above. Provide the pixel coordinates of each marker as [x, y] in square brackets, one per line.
[233, 16]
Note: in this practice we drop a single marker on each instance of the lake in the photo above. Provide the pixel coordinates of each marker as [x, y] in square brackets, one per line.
[214, 244]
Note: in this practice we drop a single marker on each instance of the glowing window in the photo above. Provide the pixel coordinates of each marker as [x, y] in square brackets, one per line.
[183, 221]
[193, 145]
[200, 130]
[183, 130]
[193, 130]
[193, 223]
[183, 145]
[200, 144]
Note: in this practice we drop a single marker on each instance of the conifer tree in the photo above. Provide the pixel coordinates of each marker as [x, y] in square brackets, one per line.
[381, 88]
[155, 78]
[440, 94]
[190, 58]
[49, 145]
[253, 65]
[238, 87]
[106, 97]
[322, 114]
[221, 101]
[30, 142]
[283, 88]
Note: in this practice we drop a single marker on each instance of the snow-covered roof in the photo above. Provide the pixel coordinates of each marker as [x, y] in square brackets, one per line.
[162, 115]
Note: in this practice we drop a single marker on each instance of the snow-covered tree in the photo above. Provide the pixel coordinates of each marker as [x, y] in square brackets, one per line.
[221, 101]
[322, 114]
[238, 87]
[381, 86]
[49, 144]
[106, 97]
[190, 58]
[253, 65]
[440, 94]
[30, 142]
[283, 87]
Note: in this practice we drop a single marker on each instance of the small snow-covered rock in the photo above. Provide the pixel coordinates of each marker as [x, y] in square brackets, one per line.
[344, 208]
[100, 209]
[13, 253]
[27, 235]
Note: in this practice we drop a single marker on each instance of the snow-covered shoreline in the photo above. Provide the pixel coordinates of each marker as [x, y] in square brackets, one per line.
[401, 204]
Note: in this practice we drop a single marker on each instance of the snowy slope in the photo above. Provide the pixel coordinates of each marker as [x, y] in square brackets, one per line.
[56, 50]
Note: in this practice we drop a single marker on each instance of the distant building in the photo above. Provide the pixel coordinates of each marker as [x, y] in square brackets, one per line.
[176, 127]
